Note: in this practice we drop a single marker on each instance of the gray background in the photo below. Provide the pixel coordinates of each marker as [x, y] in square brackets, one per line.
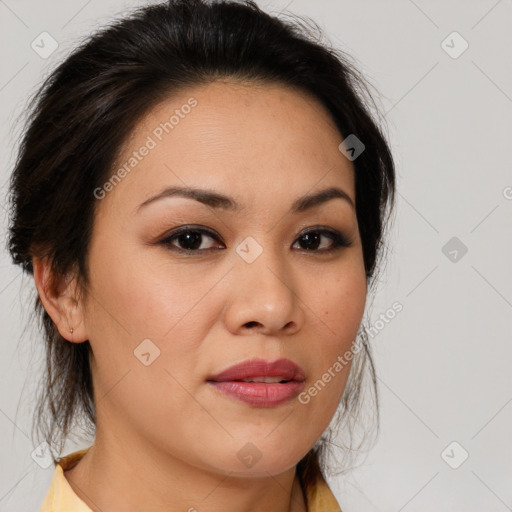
[444, 362]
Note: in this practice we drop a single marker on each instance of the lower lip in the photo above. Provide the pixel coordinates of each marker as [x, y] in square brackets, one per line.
[260, 394]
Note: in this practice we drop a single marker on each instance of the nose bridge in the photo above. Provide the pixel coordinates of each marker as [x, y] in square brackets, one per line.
[264, 266]
[264, 290]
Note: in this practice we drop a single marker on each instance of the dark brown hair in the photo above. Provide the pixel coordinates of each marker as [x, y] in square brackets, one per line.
[86, 109]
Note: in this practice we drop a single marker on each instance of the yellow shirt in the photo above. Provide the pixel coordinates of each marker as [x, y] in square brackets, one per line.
[62, 498]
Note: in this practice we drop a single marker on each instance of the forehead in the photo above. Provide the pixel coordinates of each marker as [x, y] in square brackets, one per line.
[253, 141]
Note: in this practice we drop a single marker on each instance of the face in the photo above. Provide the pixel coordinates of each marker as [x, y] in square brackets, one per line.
[183, 288]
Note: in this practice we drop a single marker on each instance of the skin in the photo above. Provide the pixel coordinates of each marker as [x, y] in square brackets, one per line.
[165, 439]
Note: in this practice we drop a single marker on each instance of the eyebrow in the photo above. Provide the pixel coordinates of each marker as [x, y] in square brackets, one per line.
[217, 200]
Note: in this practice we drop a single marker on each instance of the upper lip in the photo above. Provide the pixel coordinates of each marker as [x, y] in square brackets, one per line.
[251, 368]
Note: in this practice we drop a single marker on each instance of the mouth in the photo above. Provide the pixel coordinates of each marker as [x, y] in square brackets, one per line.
[260, 383]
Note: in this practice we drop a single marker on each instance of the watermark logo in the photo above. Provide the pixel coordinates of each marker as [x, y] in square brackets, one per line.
[249, 455]
[42, 455]
[44, 45]
[454, 249]
[351, 147]
[454, 45]
[249, 249]
[146, 352]
[454, 455]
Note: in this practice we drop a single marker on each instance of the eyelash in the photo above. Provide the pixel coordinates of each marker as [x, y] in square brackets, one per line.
[339, 240]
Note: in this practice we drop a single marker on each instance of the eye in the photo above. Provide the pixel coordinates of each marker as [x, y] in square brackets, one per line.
[312, 240]
[189, 239]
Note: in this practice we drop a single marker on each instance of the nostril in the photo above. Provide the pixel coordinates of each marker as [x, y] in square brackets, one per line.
[251, 324]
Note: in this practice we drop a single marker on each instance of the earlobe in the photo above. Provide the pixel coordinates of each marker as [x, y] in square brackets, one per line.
[60, 298]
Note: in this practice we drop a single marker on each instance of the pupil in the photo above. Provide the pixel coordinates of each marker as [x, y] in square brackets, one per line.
[191, 241]
[311, 241]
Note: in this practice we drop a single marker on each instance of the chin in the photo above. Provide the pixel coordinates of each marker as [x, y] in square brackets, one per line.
[259, 458]
[262, 469]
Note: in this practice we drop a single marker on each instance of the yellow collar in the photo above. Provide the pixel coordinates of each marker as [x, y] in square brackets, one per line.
[62, 498]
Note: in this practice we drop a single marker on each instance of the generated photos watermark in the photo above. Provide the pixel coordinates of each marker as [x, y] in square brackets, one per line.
[151, 143]
[344, 359]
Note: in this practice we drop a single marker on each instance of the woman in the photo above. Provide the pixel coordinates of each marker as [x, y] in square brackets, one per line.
[200, 195]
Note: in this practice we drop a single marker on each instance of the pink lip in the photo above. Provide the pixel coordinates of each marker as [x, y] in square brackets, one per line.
[260, 394]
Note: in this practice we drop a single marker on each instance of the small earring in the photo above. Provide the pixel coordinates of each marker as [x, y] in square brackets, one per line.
[71, 330]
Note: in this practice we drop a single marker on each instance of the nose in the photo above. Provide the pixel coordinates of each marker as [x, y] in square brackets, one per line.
[262, 298]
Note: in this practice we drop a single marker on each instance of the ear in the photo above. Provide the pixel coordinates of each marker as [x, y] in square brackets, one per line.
[61, 299]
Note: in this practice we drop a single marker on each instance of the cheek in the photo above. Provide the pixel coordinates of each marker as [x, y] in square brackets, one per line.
[340, 301]
[143, 296]
[138, 308]
[138, 299]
